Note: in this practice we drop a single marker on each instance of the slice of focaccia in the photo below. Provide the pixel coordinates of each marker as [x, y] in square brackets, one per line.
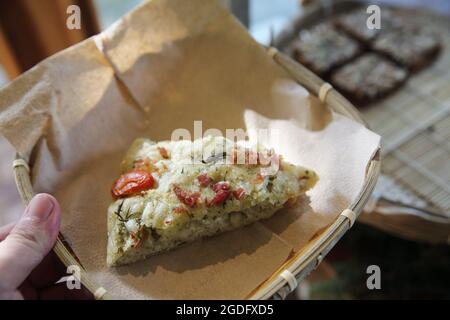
[172, 193]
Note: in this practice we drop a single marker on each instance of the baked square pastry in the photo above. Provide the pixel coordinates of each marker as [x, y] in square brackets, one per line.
[413, 47]
[172, 193]
[321, 48]
[368, 78]
[355, 23]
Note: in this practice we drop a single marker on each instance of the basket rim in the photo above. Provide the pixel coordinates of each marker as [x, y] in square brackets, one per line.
[308, 258]
[302, 262]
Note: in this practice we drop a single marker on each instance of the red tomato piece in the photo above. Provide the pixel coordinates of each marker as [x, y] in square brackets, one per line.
[239, 193]
[179, 210]
[180, 193]
[132, 182]
[163, 152]
[191, 200]
[138, 237]
[220, 197]
[186, 198]
[204, 180]
[221, 186]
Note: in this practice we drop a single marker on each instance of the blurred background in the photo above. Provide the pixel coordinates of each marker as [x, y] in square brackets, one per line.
[404, 230]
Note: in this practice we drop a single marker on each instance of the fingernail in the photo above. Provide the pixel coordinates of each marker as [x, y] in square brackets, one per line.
[40, 207]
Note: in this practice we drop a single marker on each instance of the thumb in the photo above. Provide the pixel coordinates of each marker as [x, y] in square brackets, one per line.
[29, 241]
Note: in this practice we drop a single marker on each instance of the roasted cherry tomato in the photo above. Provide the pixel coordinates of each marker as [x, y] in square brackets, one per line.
[132, 182]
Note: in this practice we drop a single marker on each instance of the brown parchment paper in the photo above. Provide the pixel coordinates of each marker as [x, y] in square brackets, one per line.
[161, 67]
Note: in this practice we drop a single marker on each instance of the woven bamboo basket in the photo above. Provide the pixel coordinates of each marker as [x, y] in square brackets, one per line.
[299, 265]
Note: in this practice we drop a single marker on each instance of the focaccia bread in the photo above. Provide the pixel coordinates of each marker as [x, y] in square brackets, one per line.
[172, 193]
